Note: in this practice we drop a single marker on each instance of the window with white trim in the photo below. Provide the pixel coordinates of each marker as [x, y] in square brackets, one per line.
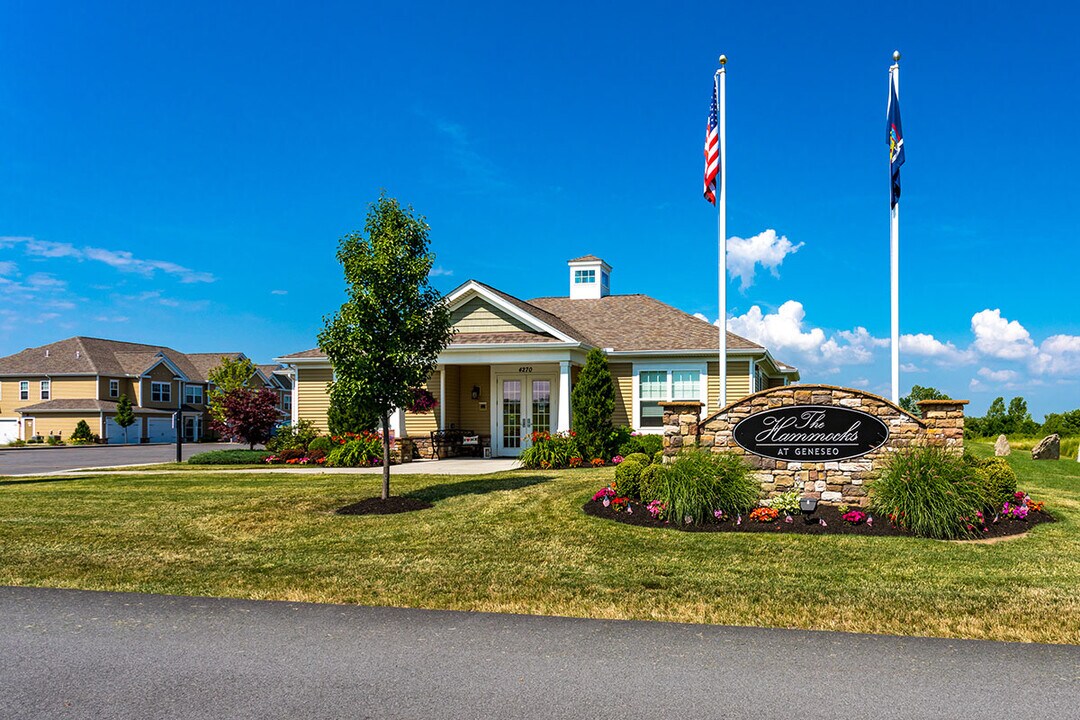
[161, 392]
[584, 277]
[655, 386]
[24, 390]
[114, 388]
[286, 402]
[46, 389]
[193, 394]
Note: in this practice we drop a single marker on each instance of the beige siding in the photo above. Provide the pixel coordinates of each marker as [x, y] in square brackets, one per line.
[60, 388]
[127, 387]
[452, 401]
[76, 388]
[470, 416]
[63, 424]
[313, 396]
[421, 425]
[623, 374]
[161, 373]
[738, 382]
[9, 398]
[479, 316]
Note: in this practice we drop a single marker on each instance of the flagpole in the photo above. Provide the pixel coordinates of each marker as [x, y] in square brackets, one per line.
[720, 79]
[894, 253]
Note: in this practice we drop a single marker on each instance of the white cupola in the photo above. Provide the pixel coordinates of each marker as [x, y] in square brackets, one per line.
[590, 278]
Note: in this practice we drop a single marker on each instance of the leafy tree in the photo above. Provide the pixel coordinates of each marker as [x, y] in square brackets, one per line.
[230, 374]
[995, 422]
[593, 402]
[1064, 424]
[248, 415]
[386, 338]
[125, 416]
[348, 411]
[910, 402]
[1018, 419]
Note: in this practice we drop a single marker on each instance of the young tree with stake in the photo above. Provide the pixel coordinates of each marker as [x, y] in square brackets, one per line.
[385, 339]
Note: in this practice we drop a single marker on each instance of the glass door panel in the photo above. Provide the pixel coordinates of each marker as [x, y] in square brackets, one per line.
[511, 415]
[541, 406]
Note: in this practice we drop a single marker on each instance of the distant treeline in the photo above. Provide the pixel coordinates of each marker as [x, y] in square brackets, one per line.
[1000, 419]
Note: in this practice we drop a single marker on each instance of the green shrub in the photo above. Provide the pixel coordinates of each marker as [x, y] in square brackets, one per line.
[17, 442]
[82, 432]
[699, 481]
[651, 482]
[292, 437]
[996, 478]
[647, 444]
[321, 444]
[658, 456]
[356, 451]
[929, 492]
[787, 502]
[54, 440]
[229, 457]
[551, 451]
[628, 475]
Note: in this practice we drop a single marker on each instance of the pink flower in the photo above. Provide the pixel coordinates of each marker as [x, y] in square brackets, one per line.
[607, 501]
[738, 521]
[788, 519]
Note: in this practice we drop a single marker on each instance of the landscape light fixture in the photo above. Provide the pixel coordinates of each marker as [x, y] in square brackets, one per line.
[475, 392]
[808, 507]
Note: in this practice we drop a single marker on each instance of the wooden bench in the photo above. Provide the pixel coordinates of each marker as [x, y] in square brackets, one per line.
[454, 442]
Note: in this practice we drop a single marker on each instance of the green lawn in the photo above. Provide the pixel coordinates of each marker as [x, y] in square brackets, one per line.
[518, 542]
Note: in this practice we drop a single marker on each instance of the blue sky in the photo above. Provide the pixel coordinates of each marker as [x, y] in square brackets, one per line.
[182, 174]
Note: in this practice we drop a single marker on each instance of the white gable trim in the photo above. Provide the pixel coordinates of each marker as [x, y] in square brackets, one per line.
[470, 288]
[169, 364]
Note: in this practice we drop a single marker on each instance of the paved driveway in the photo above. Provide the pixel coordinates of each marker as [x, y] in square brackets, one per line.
[31, 461]
[74, 654]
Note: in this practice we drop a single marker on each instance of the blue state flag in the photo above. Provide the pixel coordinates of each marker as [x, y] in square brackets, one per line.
[896, 143]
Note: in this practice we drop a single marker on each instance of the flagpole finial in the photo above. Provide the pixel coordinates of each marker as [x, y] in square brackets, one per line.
[896, 55]
[723, 60]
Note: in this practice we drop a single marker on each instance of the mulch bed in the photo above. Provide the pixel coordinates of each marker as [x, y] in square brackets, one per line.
[391, 506]
[834, 525]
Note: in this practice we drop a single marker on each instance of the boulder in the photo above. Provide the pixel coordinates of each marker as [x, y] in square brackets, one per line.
[1001, 447]
[1049, 448]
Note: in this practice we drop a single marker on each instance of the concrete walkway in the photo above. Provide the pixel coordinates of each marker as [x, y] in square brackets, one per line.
[73, 654]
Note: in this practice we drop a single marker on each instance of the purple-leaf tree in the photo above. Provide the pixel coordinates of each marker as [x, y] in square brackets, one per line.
[247, 415]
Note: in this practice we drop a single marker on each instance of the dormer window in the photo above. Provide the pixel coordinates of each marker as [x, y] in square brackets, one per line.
[584, 276]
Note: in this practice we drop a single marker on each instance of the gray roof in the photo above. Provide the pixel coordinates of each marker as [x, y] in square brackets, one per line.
[97, 356]
[87, 405]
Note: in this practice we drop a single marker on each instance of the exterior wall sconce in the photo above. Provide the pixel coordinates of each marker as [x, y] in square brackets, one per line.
[475, 392]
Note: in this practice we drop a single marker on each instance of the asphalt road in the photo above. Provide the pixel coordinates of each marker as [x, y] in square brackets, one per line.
[76, 654]
[32, 461]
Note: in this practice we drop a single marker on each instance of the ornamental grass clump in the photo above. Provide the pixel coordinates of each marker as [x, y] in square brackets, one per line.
[699, 482]
[930, 493]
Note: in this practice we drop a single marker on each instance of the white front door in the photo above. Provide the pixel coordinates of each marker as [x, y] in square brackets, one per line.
[524, 406]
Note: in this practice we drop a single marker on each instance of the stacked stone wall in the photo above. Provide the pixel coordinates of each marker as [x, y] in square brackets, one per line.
[844, 481]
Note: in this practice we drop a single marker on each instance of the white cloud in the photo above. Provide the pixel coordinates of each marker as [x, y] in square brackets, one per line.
[126, 261]
[1058, 355]
[440, 271]
[848, 347]
[926, 345]
[8, 268]
[766, 249]
[45, 280]
[997, 337]
[998, 376]
[279, 292]
[782, 330]
[976, 385]
[45, 248]
[860, 383]
[111, 318]
[911, 368]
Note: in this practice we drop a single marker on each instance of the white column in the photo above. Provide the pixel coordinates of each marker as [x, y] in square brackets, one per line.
[397, 423]
[564, 396]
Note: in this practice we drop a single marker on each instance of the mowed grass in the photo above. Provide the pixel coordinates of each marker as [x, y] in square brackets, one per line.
[519, 542]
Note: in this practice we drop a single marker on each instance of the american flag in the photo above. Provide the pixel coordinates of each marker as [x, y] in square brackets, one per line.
[712, 153]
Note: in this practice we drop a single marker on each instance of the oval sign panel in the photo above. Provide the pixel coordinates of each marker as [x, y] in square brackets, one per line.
[811, 433]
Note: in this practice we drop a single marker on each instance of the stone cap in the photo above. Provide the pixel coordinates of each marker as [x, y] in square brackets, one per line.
[682, 403]
[939, 403]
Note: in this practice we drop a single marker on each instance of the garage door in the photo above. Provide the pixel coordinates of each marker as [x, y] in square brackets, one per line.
[160, 430]
[115, 433]
[9, 430]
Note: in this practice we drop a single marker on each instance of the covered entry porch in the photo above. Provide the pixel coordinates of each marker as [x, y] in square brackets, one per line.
[501, 404]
